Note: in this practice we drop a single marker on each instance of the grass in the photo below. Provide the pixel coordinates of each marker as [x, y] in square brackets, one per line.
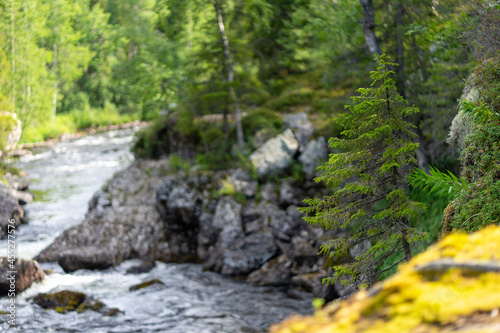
[74, 121]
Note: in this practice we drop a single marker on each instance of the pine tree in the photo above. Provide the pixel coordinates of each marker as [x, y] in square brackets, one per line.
[369, 174]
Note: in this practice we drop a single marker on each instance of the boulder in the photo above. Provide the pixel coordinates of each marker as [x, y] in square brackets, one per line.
[290, 194]
[243, 183]
[9, 210]
[68, 300]
[217, 233]
[275, 155]
[314, 154]
[85, 258]
[268, 192]
[146, 284]
[143, 267]
[451, 287]
[243, 255]
[301, 128]
[99, 242]
[28, 271]
[276, 272]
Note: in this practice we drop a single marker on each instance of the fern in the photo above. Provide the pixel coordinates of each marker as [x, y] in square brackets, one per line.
[443, 184]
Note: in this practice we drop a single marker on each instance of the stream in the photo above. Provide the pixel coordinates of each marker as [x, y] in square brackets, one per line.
[63, 178]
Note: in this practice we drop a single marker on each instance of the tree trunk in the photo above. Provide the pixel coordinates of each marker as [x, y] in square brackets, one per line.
[406, 244]
[230, 76]
[369, 26]
[54, 84]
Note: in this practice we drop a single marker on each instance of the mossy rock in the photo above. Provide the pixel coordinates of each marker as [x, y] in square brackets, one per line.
[68, 300]
[145, 284]
[62, 301]
[454, 285]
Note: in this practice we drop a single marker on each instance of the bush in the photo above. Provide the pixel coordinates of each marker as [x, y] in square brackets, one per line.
[262, 119]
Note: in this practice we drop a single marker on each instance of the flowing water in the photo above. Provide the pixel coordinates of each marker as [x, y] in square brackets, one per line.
[64, 178]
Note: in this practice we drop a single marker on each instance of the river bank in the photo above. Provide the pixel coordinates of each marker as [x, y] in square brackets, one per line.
[64, 178]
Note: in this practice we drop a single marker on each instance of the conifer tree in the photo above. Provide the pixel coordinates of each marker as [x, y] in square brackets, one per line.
[369, 174]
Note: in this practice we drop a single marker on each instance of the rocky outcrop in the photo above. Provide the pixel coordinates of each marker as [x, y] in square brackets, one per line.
[453, 286]
[28, 272]
[275, 155]
[121, 224]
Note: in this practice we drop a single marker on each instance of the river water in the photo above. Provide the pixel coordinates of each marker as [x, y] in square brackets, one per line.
[64, 178]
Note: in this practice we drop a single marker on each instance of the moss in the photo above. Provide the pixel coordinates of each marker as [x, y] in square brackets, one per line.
[414, 301]
[145, 284]
[112, 312]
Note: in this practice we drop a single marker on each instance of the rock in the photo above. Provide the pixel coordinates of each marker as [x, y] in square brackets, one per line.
[275, 272]
[122, 223]
[144, 267]
[301, 128]
[99, 201]
[13, 128]
[23, 198]
[85, 258]
[314, 155]
[67, 300]
[62, 301]
[28, 272]
[243, 255]
[268, 192]
[119, 234]
[227, 214]
[275, 155]
[423, 295]
[243, 183]
[145, 284]
[9, 210]
[462, 125]
[206, 237]
[290, 194]
[313, 283]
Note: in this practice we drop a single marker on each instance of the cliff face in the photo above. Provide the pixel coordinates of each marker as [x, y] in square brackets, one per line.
[453, 286]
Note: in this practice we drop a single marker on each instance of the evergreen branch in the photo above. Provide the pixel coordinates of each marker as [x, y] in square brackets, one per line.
[443, 184]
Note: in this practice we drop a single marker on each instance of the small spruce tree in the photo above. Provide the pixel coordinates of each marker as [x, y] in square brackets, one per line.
[370, 176]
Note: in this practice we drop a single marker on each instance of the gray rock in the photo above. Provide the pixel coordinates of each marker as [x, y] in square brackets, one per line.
[275, 272]
[276, 154]
[290, 194]
[119, 234]
[244, 254]
[301, 128]
[268, 192]
[243, 183]
[85, 258]
[28, 272]
[314, 155]
[227, 214]
[207, 236]
[9, 210]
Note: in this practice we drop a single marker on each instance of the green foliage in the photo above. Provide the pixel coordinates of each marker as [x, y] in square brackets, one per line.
[370, 178]
[7, 123]
[262, 119]
[479, 206]
[441, 183]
